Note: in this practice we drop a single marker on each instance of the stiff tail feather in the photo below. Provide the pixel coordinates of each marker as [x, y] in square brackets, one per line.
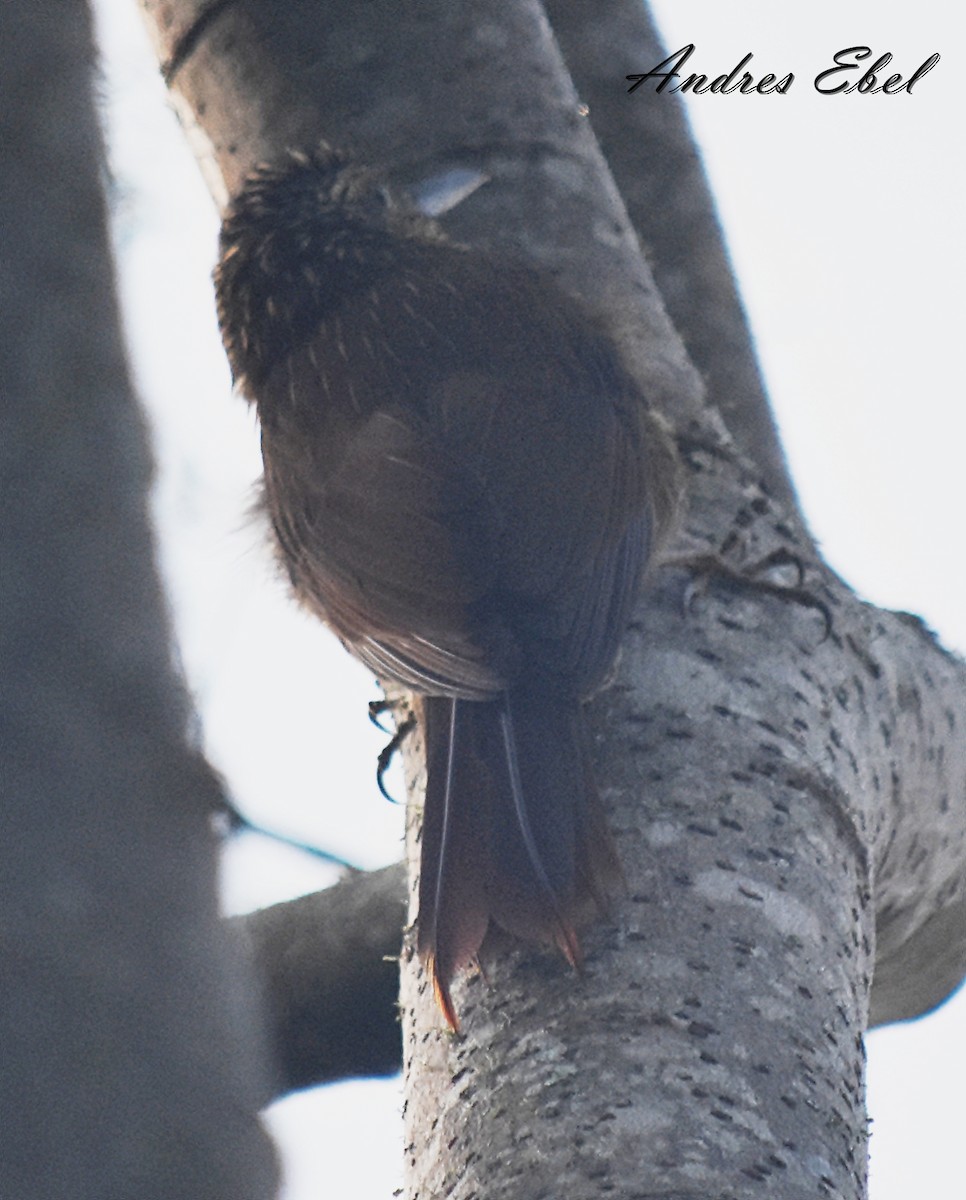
[513, 830]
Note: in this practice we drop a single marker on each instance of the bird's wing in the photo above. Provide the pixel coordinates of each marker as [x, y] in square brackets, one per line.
[459, 507]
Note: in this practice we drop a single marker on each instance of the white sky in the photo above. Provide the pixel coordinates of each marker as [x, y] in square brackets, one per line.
[845, 219]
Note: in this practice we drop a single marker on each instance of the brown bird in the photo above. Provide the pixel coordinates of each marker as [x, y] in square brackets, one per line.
[466, 486]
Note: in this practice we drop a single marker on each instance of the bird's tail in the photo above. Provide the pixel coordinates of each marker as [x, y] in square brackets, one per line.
[513, 829]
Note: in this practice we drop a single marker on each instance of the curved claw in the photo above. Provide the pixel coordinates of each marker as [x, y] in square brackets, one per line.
[705, 566]
[387, 752]
[377, 708]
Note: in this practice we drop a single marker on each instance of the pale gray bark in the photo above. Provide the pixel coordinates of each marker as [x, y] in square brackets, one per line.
[779, 792]
[130, 1060]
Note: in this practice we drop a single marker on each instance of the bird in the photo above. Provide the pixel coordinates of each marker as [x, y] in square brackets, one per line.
[466, 484]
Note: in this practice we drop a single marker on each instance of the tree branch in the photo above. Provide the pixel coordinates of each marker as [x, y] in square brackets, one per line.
[329, 973]
[650, 150]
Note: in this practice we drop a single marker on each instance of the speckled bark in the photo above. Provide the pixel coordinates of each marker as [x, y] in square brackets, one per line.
[714, 1041]
[779, 789]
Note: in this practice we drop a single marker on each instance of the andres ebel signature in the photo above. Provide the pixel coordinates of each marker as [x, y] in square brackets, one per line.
[841, 79]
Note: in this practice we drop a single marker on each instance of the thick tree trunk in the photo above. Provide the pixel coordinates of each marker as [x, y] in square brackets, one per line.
[783, 765]
[130, 1056]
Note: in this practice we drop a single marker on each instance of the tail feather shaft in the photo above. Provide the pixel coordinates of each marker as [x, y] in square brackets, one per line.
[513, 831]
